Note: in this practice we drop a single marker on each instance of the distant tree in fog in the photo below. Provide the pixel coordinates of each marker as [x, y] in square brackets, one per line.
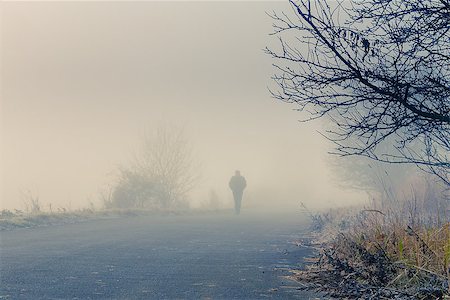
[379, 69]
[133, 190]
[377, 179]
[162, 173]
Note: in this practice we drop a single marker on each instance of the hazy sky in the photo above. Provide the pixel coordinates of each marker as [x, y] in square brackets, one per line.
[81, 81]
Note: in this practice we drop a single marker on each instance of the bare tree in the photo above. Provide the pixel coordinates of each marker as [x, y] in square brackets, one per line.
[168, 158]
[379, 69]
[163, 172]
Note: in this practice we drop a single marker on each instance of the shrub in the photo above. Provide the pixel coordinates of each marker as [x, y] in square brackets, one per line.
[162, 174]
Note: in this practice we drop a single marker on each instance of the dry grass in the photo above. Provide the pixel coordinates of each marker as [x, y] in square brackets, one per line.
[18, 219]
[393, 249]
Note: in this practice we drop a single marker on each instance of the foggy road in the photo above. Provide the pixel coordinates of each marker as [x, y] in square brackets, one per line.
[217, 256]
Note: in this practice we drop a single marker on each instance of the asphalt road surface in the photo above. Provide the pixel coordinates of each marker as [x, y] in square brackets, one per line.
[211, 256]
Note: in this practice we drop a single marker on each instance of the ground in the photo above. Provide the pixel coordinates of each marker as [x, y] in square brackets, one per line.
[216, 255]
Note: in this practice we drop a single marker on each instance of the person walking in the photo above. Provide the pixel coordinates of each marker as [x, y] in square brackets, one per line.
[237, 185]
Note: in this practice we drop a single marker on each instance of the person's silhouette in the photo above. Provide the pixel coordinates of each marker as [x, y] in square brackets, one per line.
[237, 185]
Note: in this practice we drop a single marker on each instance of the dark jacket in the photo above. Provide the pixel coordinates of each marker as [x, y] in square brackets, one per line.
[237, 183]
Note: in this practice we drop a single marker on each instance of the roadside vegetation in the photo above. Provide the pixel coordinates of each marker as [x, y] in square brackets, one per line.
[160, 176]
[35, 214]
[158, 180]
[13, 219]
[379, 72]
[19, 219]
[395, 248]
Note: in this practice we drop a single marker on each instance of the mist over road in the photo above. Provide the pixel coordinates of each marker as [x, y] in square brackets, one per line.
[218, 256]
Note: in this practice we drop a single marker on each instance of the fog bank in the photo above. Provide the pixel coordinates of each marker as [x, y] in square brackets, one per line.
[81, 81]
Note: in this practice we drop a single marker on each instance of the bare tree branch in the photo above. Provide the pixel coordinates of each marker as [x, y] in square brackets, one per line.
[379, 69]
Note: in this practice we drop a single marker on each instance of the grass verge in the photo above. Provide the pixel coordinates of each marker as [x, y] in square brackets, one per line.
[11, 220]
[397, 250]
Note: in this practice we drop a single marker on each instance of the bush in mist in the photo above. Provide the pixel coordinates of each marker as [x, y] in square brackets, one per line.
[161, 175]
[133, 190]
[213, 201]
